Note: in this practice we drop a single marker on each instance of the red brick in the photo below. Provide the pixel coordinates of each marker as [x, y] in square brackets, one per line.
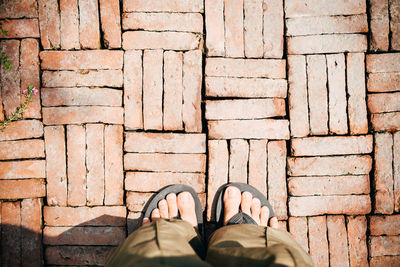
[160, 40]
[298, 228]
[164, 142]
[318, 241]
[394, 24]
[133, 90]
[23, 149]
[110, 78]
[11, 233]
[379, 24]
[85, 216]
[83, 114]
[336, 165]
[383, 62]
[396, 171]
[113, 165]
[338, 251]
[89, 28]
[218, 160]
[163, 6]
[333, 43]
[76, 149]
[273, 29]
[379, 103]
[383, 82]
[173, 91]
[135, 201]
[20, 28]
[295, 8]
[384, 225]
[22, 169]
[69, 24]
[318, 205]
[165, 162]
[110, 23]
[27, 188]
[56, 170]
[386, 121]
[357, 234]
[249, 129]
[83, 235]
[384, 245]
[238, 159]
[298, 102]
[134, 221]
[332, 145]
[77, 255]
[18, 9]
[383, 174]
[384, 261]
[328, 185]
[215, 26]
[49, 21]
[192, 90]
[257, 176]
[234, 38]
[31, 232]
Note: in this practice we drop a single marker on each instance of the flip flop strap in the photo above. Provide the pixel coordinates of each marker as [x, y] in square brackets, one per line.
[241, 218]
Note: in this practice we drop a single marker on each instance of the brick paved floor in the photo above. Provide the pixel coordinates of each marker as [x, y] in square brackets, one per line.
[299, 98]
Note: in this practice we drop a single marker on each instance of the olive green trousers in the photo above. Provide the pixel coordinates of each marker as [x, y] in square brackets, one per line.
[177, 243]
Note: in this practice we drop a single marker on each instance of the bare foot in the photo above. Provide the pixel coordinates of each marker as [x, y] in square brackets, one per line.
[168, 208]
[234, 202]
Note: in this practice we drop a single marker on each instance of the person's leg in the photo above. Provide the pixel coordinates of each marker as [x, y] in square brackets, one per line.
[255, 245]
[164, 241]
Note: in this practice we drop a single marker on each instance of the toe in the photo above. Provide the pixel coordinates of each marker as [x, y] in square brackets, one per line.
[172, 205]
[246, 202]
[186, 207]
[163, 207]
[273, 222]
[255, 209]
[231, 200]
[155, 215]
[145, 221]
[264, 216]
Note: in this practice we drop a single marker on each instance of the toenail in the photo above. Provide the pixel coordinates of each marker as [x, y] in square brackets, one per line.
[171, 196]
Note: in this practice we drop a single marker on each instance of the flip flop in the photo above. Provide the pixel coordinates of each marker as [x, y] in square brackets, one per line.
[240, 218]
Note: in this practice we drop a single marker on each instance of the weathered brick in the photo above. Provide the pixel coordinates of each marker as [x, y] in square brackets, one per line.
[384, 245]
[298, 228]
[257, 176]
[234, 37]
[18, 9]
[394, 24]
[273, 29]
[22, 129]
[383, 62]
[163, 6]
[77, 255]
[164, 142]
[357, 235]
[31, 232]
[111, 78]
[386, 121]
[23, 149]
[22, 169]
[85, 216]
[160, 40]
[49, 21]
[338, 251]
[379, 103]
[69, 24]
[379, 25]
[332, 43]
[165, 162]
[238, 158]
[335, 165]
[133, 90]
[253, 28]
[83, 114]
[304, 8]
[89, 28]
[110, 23]
[318, 205]
[328, 185]
[396, 170]
[11, 233]
[26, 188]
[20, 28]
[384, 225]
[135, 201]
[384, 261]
[215, 26]
[318, 241]
[249, 129]
[383, 82]
[56, 170]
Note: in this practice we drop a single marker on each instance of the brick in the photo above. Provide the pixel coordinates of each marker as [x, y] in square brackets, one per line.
[318, 205]
[294, 8]
[22, 129]
[383, 62]
[247, 68]
[384, 245]
[332, 43]
[164, 142]
[110, 78]
[396, 171]
[249, 129]
[56, 169]
[76, 157]
[273, 21]
[317, 94]
[49, 22]
[329, 185]
[379, 24]
[335, 165]
[81, 96]
[113, 165]
[383, 173]
[337, 93]
[11, 233]
[76, 60]
[153, 181]
[180, 22]
[386, 121]
[382, 261]
[298, 102]
[89, 28]
[379, 103]
[218, 165]
[22, 169]
[192, 91]
[31, 232]
[277, 193]
[135, 201]
[238, 159]
[244, 109]
[298, 228]
[160, 40]
[83, 235]
[173, 91]
[23, 149]
[134, 221]
[163, 6]
[83, 114]
[338, 251]
[318, 241]
[165, 162]
[110, 23]
[21, 28]
[356, 234]
[257, 176]
[69, 24]
[383, 82]
[85, 216]
[245, 87]
[77, 255]
[394, 24]
[18, 9]
[27, 188]
[215, 26]
[332, 145]
[234, 37]
[384, 225]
